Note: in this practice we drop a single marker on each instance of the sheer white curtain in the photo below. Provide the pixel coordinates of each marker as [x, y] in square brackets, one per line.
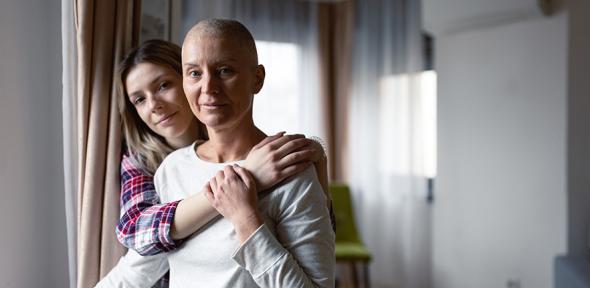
[70, 115]
[387, 164]
[286, 36]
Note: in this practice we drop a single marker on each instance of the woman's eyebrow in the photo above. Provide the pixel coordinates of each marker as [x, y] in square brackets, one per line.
[217, 62]
[157, 79]
[154, 81]
[135, 94]
[190, 65]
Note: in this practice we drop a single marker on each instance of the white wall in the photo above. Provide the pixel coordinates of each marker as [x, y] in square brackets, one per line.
[33, 237]
[500, 210]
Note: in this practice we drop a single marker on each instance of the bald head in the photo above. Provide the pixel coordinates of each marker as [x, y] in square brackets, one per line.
[223, 29]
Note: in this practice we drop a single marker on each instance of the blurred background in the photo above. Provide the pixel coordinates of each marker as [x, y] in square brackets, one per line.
[460, 127]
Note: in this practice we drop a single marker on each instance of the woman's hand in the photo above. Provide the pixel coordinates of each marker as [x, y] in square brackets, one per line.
[280, 156]
[232, 192]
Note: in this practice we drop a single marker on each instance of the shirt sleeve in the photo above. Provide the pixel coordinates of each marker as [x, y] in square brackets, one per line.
[145, 223]
[135, 271]
[302, 253]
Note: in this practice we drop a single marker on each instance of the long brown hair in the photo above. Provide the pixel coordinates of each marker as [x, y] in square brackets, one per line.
[146, 146]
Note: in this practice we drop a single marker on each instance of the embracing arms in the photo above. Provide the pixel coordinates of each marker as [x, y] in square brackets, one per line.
[150, 227]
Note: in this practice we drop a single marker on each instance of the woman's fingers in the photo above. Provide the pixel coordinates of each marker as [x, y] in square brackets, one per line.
[245, 176]
[229, 173]
[209, 192]
[277, 143]
[294, 169]
[293, 145]
[219, 178]
[269, 139]
[295, 158]
[213, 185]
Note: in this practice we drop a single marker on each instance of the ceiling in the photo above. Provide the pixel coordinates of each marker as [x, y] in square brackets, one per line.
[448, 16]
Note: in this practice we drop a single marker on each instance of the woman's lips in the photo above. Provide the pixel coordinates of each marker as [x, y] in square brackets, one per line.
[212, 106]
[166, 119]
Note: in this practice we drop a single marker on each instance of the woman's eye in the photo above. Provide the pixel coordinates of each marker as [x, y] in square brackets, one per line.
[138, 101]
[194, 74]
[225, 71]
[163, 86]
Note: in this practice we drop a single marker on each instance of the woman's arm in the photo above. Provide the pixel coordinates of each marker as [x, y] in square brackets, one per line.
[150, 227]
[145, 223]
[271, 161]
[295, 153]
[301, 253]
[191, 214]
[276, 158]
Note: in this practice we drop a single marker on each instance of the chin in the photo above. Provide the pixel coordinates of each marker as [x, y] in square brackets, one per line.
[213, 121]
[173, 133]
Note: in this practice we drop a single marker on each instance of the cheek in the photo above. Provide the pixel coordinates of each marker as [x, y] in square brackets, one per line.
[144, 116]
[176, 96]
[191, 93]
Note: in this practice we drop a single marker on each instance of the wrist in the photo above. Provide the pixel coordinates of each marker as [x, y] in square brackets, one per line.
[251, 169]
[246, 226]
[246, 165]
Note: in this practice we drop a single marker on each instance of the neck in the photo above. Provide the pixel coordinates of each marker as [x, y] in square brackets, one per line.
[230, 144]
[190, 136]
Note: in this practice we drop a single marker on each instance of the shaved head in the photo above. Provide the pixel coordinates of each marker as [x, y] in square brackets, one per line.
[223, 28]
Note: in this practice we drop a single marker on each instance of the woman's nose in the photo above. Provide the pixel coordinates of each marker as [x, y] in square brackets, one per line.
[154, 103]
[209, 84]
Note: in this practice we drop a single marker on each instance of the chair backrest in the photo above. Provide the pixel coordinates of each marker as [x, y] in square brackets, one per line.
[341, 203]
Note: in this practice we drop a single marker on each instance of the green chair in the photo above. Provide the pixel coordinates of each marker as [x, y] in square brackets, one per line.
[349, 247]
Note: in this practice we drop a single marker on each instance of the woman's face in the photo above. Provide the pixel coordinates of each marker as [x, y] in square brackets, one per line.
[220, 80]
[156, 93]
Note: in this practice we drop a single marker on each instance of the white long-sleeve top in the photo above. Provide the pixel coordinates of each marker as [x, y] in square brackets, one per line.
[135, 271]
[293, 248]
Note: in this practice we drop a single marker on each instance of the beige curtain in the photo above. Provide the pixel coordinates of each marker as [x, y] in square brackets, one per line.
[105, 30]
[335, 24]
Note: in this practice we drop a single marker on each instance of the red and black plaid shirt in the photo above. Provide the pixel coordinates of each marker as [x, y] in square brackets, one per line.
[145, 223]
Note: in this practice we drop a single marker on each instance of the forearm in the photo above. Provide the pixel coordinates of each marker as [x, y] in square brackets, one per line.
[269, 262]
[191, 214]
[145, 226]
[301, 254]
[247, 227]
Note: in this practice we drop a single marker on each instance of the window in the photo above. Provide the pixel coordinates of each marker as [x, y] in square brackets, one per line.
[276, 107]
[407, 127]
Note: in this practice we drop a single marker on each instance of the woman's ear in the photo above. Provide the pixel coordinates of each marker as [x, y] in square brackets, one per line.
[259, 78]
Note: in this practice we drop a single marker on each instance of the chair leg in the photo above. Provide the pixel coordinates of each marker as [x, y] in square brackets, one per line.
[366, 274]
[354, 275]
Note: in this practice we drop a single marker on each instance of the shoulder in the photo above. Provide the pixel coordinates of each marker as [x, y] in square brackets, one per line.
[131, 166]
[178, 156]
[176, 159]
[301, 186]
[306, 176]
[301, 197]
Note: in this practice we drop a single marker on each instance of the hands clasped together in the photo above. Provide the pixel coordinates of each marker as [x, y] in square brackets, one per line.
[233, 192]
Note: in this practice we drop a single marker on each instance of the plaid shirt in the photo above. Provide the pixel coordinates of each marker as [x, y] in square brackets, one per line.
[144, 225]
